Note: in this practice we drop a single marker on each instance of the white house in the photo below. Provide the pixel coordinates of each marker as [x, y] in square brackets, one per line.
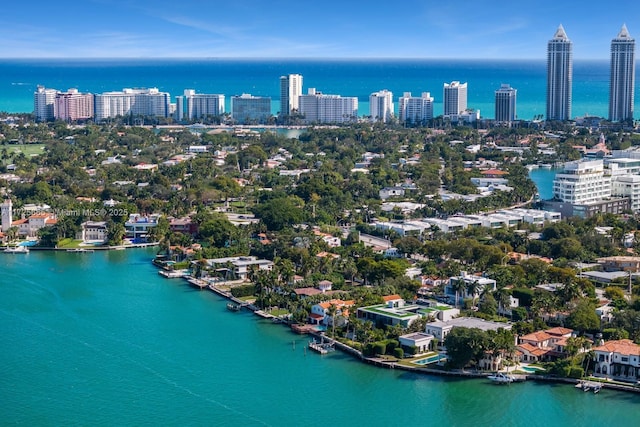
[416, 343]
[619, 359]
[467, 281]
[388, 192]
[94, 231]
[440, 330]
[320, 312]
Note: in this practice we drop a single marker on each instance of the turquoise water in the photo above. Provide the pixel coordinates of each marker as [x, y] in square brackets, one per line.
[104, 340]
[543, 179]
[359, 78]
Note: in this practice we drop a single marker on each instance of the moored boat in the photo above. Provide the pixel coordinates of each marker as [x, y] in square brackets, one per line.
[233, 306]
[16, 250]
[500, 378]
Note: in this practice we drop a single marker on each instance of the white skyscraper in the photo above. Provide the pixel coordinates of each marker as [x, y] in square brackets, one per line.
[559, 76]
[454, 98]
[415, 110]
[381, 106]
[199, 105]
[623, 72]
[43, 103]
[135, 102]
[505, 104]
[319, 108]
[290, 91]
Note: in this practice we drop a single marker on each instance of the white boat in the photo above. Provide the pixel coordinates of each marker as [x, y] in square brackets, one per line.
[500, 378]
[16, 250]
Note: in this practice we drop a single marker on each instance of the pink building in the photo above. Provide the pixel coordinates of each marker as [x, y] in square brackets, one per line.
[73, 105]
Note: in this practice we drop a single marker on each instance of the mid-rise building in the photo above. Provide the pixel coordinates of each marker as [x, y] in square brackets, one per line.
[132, 102]
[505, 104]
[43, 103]
[248, 109]
[582, 182]
[623, 72]
[290, 91]
[72, 105]
[415, 109]
[559, 76]
[199, 105]
[381, 106]
[317, 107]
[454, 98]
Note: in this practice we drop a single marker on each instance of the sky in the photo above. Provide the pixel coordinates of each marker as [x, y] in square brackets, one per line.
[481, 29]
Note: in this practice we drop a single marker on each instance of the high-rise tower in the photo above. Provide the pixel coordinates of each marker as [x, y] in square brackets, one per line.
[290, 91]
[623, 71]
[559, 76]
[505, 103]
[454, 98]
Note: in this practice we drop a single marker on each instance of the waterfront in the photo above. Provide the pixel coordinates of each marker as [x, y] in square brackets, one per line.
[357, 77]
[102, 339]
[543, 179]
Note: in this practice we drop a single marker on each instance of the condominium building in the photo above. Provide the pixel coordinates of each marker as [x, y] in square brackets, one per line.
[559, 76]
[197, 105]
[622, 82]
[290, 91]
[381, 106]
[505, 104]
[317, 107]
[248, 109]
[454, 98]
[582, 182]
[135, 102]
[627, 186]
[43, 103]
[415, 109]
[73, 105]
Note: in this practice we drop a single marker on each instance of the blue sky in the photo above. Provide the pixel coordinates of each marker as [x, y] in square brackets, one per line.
[308, 29]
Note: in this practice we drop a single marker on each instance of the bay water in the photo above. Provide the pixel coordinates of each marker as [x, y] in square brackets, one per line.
[101, 339]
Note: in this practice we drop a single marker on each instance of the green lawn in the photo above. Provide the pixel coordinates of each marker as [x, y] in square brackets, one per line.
[69, 243]
[27, 149]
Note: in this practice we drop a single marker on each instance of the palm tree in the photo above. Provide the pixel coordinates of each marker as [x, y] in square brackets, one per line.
[472, 288]
[331, 311]
[458, 286]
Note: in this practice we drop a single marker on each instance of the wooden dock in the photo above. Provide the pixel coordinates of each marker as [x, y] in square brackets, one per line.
[321, 347]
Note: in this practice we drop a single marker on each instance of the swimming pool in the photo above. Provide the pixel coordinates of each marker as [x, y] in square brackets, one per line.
[428, 360]
[530, 369]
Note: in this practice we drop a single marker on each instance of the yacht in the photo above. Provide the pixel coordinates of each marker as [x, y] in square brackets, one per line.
[16, 250]
[500, 378]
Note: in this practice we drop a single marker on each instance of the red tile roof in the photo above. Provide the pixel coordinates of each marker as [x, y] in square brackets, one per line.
[623, 347]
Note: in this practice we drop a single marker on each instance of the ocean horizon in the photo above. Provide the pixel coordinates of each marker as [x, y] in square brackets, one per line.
[357, 77]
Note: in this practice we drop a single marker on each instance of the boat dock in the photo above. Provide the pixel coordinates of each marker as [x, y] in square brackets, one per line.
[321, 347]
[173, 274]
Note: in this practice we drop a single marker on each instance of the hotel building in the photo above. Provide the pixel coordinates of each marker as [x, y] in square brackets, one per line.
[454, 99]
[73, 105]
[290, 91]
[381, 106]
[415, 109]
[43, 103]
[319, 108]
[248, 109]
[559, 76]
[622, 82]
[134, 102]
[505, 104]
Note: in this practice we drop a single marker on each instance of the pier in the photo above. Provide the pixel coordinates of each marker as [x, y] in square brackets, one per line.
[321, 347]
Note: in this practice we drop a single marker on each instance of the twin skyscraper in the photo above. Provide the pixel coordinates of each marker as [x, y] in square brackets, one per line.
[560, 76]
